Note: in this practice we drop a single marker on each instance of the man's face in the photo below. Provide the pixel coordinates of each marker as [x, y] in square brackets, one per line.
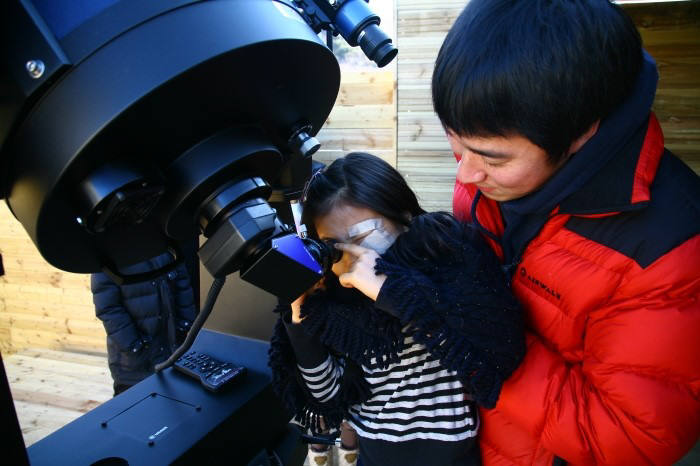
[502, 167]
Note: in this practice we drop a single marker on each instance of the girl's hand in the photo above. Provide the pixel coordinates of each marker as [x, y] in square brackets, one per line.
[360, 273]
[296, 305]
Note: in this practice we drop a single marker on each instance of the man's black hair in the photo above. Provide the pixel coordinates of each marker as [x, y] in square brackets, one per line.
[361, 180]
[543, 69]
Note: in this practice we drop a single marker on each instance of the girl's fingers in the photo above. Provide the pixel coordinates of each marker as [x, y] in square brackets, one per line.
[346, 280]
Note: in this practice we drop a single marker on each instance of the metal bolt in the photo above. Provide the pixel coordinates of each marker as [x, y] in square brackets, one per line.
[35, 68]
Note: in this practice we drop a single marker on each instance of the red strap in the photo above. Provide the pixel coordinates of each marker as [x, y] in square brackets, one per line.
[648, 162]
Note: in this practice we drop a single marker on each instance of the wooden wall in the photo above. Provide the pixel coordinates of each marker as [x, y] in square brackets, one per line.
[424, 157]
[363, 118]
[41, 306]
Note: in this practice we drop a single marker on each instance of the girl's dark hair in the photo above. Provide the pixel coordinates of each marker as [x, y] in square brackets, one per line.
[361, 180]
[433, 237]
[543, 69]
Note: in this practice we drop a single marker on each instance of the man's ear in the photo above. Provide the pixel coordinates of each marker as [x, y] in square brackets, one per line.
[581, 140]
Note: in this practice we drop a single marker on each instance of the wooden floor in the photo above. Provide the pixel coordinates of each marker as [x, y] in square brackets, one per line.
[52, 388]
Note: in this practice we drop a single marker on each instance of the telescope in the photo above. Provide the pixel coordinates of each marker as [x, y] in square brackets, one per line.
[128, 126]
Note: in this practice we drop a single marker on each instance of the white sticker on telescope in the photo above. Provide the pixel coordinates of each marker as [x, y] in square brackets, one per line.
[288, 11]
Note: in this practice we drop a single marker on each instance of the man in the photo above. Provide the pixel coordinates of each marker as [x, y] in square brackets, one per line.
[546, 105]
[145, 321]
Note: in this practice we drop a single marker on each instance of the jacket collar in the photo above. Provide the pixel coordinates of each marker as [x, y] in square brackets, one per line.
[623, 183]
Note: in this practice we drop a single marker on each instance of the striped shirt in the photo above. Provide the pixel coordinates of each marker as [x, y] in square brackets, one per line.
[414, 398]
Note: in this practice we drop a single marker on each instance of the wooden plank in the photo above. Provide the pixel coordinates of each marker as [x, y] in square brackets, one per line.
[47, 308]
[6, 347]
[431, 174]
[47, 277]
[10, 223]
[426, 22]
[362, 116]
[40, 292]
[60, 401]
[71, 326]
[417, 74]
[422, 127]
[75, 386]
[685, 108]
[356, 139]
[23, 364]
[409, 5]
[682, 92]
[22, 338]
[366, 88]
[83, 359]
[51, 388]
[668, 37]
[328, 156]
[663, 15]
[37, 421]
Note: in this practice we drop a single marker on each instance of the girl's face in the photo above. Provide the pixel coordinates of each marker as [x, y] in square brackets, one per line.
[344, 224]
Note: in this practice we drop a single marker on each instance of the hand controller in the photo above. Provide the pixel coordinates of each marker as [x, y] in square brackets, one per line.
[210, 372]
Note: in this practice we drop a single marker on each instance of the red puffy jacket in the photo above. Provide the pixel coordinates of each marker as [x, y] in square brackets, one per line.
[612, 301]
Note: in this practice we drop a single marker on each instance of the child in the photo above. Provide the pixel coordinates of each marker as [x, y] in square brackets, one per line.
[416, 314]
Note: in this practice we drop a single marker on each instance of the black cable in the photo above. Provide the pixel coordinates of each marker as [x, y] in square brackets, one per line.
[214, 290]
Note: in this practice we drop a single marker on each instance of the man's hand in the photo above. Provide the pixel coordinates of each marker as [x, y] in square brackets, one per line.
[360, 273]
[142, 343]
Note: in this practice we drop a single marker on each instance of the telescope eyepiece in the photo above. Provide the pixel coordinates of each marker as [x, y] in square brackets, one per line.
[376, 45]
[324, 252]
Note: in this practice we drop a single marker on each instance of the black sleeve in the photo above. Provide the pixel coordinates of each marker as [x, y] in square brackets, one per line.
[308, 351]
[311, 382]
[184, 295]
[109, 308]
